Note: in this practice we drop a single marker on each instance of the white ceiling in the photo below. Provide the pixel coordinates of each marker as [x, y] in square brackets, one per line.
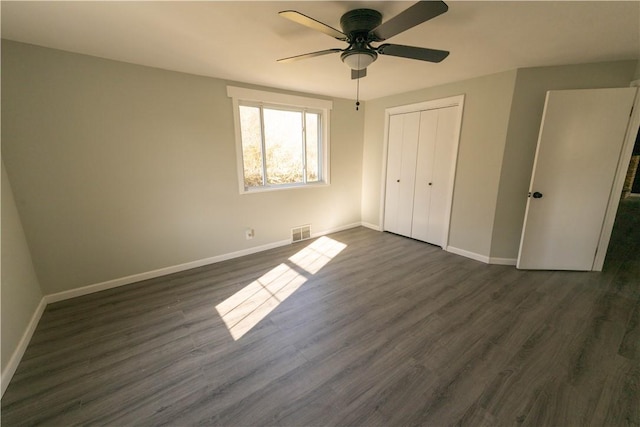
[241, 40]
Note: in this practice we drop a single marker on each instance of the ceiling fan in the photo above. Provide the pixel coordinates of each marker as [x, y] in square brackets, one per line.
[361, 27]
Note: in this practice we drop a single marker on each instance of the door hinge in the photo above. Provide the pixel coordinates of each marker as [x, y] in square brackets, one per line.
[631, 113]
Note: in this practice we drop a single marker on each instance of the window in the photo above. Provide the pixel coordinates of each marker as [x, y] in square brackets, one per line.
[281, 140]
[279, 146]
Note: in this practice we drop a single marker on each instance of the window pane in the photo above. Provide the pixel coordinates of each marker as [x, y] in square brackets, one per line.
[251, 145]
[312, 135]
[283, 145]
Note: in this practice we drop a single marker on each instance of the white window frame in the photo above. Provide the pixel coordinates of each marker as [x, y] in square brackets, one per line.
[266, 99]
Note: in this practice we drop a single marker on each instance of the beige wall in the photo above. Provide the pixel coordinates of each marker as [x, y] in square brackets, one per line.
[484, 127]
[20, 291]
[522, 136]
[121, 169]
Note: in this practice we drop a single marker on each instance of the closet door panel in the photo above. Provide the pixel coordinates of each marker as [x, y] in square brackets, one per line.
[442, 175]
[424, 170]
[394, 167]
[411, 130]
[401, 169]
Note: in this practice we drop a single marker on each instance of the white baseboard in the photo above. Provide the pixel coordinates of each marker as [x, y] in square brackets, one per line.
[502, 261]
[371, 226]
[14, 361]
[335, 230]
[468, 254]
[481, 258]
[114, 283]
[109, 284]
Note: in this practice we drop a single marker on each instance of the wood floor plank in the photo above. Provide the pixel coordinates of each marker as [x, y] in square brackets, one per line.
[113, 398]
[317, 408]
[559, 403]
[513, 390]
[461, 376]
[630, 345]
[389, 332]
[619, 402]
[591, 350]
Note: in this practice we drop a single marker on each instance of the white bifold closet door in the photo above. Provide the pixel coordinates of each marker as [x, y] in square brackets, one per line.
[401, 172]
[419, 173]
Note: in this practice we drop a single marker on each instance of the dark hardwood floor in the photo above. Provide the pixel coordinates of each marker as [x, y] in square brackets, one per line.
[389, 332]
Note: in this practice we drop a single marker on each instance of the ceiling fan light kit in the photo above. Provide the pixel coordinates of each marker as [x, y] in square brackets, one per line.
[362, 27]
[358, 59]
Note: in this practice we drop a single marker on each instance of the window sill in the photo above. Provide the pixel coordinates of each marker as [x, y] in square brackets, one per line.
[281, 187]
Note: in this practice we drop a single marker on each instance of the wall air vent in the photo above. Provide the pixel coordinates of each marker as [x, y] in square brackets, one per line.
[302, 232]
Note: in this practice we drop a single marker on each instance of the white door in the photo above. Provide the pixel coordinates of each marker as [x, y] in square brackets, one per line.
[579, 145]
[424, 175]
[401, 170]
[434, 174]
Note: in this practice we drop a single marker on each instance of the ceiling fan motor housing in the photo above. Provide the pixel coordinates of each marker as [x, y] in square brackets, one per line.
[359, 22]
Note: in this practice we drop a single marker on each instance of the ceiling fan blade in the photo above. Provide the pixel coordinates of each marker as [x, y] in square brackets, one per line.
[310, 55]
[416, 14]
[358, 74]
[412, 52]
[309, 22]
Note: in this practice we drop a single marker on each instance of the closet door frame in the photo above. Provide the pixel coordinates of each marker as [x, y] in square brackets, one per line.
[453, 101]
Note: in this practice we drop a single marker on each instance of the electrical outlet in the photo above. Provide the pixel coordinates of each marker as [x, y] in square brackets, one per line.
[249, 233]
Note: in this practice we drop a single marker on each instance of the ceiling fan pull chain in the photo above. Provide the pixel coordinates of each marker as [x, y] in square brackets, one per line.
[358, 87]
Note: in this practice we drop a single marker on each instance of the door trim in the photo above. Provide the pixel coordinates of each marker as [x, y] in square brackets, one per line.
[618, 183]
[452, 101]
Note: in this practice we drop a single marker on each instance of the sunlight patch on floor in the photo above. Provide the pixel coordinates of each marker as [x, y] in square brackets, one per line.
[247, 307]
